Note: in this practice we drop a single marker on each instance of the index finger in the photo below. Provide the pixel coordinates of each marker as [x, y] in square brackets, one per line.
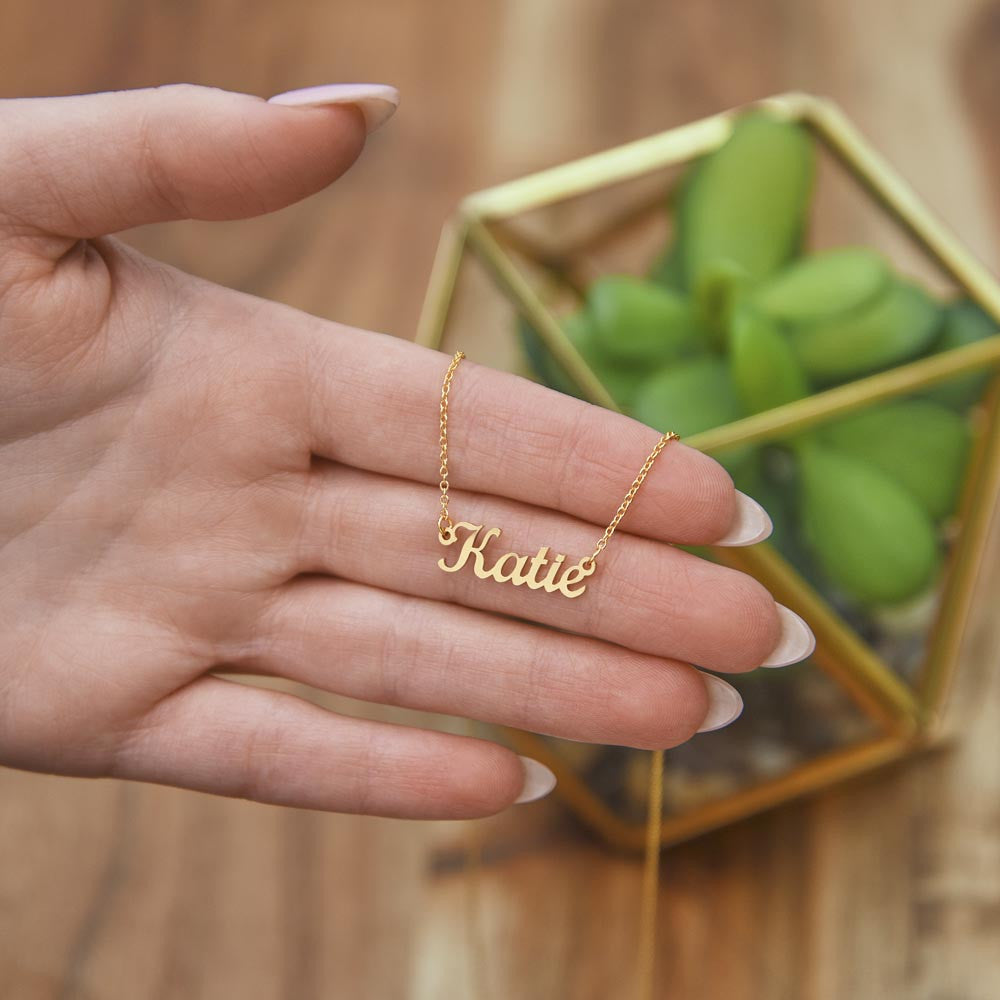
[375, 405]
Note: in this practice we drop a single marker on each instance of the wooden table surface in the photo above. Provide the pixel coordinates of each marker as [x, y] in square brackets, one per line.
[886, 888]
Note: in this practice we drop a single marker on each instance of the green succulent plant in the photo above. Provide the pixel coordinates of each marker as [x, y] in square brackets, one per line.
[735, 318]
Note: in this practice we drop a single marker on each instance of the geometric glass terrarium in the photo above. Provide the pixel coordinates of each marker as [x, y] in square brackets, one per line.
[517, 260]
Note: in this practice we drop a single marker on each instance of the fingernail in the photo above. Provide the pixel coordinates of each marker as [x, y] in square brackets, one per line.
[724, 704]
[795, 643]
[538, 781]
[377, 101]
[751, 524]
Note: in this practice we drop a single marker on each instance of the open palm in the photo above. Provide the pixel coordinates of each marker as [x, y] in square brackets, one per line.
[194, 482]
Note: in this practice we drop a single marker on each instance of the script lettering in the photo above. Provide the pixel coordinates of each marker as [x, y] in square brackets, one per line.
[537, 572]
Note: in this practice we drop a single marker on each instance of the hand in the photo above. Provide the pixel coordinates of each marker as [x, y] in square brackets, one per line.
[194, 482]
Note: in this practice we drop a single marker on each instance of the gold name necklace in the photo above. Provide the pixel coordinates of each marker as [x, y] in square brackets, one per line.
[540, 571]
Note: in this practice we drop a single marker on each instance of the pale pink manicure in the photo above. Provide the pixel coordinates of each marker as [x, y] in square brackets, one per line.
[795, 643]
[724, 704]
[538, 781]
[377, 101]
[751, 524]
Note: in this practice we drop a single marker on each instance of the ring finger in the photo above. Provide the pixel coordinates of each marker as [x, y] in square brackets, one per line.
[646, 595]
[377, 646]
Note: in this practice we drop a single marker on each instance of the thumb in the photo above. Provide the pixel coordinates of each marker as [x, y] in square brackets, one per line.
[93, 164]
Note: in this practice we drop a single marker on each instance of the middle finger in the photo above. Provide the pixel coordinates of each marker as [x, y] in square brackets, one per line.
[646, 595]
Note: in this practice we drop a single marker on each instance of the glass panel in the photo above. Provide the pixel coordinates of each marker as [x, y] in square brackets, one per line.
[482, 322]
[885, 581]
[864, 506]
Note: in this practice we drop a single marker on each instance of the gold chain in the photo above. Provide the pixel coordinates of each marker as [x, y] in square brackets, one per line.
[646, 955]
[444, 519]
[630, 496]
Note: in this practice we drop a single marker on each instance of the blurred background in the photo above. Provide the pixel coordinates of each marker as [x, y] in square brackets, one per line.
[888, 886]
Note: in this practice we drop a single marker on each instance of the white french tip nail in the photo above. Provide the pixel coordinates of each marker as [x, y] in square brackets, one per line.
[724, 704]
[795, 643]
[751, 525]
[538, 781]
[377, 101]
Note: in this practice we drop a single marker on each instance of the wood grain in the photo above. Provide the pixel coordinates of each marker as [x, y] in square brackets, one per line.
[886, 888]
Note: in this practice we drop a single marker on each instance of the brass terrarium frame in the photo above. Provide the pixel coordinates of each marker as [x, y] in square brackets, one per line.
[909, 716]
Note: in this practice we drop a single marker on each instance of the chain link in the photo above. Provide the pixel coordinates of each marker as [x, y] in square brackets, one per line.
[444, 521]
[445, 524]
[631, 495]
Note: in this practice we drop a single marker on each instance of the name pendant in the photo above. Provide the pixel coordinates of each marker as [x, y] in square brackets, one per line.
[538, 572]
